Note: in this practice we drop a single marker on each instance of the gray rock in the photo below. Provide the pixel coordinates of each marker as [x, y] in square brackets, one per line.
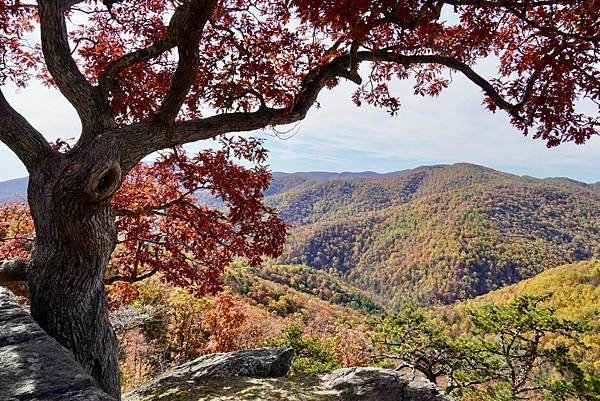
[372, 384]
[255, 363]
[34, 366]
[261, 362]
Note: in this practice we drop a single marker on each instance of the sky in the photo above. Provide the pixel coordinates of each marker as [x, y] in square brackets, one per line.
[339, 136]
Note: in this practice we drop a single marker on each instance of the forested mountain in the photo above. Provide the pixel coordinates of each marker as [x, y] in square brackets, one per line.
[439, 234]
[433, 234]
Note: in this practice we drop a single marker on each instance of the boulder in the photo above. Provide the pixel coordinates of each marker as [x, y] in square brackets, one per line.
[261, 362]
[34, 366]
[253, 363]
[373, 384]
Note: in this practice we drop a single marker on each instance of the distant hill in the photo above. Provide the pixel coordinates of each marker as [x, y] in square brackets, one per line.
[283, 182]
[439, 234]
[13, 190]
[574, 289]
[16, 190]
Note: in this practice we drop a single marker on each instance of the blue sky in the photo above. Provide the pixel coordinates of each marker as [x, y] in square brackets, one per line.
[338, 136]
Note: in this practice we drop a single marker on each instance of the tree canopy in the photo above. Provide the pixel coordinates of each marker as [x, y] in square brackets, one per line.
[163, 229]
[263, 63]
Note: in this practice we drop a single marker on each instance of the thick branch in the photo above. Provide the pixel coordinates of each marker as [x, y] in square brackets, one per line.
[186, 26]
[147, 137]
[67, 4]
[108, 78]
[27, 143]
[13, 275]
[93, 109]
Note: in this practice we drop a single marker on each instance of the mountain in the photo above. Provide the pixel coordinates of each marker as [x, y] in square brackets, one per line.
[433, 234]
[283, 182]
[16, 190]
[13, 190]
[439, 234]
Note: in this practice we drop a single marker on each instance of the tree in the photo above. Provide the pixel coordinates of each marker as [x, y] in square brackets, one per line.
[526, 360]
[163, 229]
[148, 75]
[516, 351]
[422, 345]
[311, 355]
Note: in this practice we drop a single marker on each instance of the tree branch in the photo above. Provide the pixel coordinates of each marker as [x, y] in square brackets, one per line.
[157, 136]
[67, 4]
[449, 62]
[126, 279]
[93, 109]
[511, 7]
[13, 275]
[109, 76]
[186, 28]
[24, 140]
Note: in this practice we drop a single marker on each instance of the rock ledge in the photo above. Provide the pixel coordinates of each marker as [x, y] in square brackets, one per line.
[35, 366]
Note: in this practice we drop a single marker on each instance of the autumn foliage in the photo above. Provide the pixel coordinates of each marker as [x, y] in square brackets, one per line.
[268, 53]
[16, 231]
[163, 228]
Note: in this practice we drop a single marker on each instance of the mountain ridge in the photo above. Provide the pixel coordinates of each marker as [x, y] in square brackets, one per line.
[16, 189]
[434, 234]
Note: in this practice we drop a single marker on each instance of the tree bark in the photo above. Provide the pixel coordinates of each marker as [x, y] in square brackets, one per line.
[75, 236]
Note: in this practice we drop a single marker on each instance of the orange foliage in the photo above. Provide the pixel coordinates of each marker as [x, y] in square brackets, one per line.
[164, 228]
[224, 323]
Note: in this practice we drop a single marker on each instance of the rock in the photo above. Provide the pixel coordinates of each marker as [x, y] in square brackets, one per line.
[254, 363]
[261, 362]
[221, 377]
[34, 366]
[372, 384]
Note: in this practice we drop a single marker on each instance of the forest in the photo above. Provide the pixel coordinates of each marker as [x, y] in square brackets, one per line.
[459, 347]
[437, 235]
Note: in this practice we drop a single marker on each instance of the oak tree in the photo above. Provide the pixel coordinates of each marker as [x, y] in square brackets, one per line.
[146, 75]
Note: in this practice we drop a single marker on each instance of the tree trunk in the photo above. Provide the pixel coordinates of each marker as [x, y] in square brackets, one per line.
[75, 236]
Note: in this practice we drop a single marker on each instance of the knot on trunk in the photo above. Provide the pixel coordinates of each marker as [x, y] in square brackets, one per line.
[104, 181]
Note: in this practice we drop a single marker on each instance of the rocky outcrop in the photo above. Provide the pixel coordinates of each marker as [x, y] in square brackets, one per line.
[34, 366]
[372, 384]
[225, 377]
[254, 363]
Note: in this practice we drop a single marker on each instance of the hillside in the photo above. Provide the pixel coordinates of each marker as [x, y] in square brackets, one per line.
[439, 234]
[574, 293]
[573, 289]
